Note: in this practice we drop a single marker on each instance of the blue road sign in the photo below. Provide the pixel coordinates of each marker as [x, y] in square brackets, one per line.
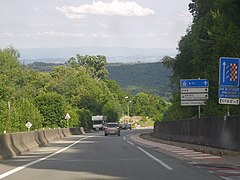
[228, 92]
[229, 71]
[188, 83]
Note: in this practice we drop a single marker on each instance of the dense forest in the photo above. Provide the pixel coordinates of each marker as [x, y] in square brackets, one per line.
[142, 77]
[214, 33]
[153, 78]
[81, 88]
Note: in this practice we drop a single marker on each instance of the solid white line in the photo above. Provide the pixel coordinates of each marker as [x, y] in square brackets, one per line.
[39, 160]
[154, 158]
[130, 143]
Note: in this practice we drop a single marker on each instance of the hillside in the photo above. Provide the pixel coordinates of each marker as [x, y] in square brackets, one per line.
[134, 78]
[142, 77]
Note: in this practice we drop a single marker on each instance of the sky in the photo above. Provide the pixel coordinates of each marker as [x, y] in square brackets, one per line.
[99, 23]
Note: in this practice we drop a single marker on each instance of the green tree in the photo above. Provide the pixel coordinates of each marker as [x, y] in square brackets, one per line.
[24, 110]
[214, 33]
[85, 118]
[52, 106]
[147, 105]
[95, 65]
[112, 110]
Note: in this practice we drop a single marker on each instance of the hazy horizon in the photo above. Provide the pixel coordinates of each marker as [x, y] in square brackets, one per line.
[113, 54]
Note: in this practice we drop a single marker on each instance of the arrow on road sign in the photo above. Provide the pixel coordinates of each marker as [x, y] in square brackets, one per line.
[224, 65]
[229, 71]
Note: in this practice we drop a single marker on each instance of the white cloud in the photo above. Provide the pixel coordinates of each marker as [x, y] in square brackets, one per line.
[24, 35]
[114, 8]
[104, 26]
[36, 9]
[59, 34]
[6, 35]
[37, 24]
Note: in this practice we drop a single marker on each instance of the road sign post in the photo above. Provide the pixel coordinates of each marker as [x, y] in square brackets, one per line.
[229, 72]
[193, 83]
[194, 92]
[28, 125]
[228, 81]
[67, 117]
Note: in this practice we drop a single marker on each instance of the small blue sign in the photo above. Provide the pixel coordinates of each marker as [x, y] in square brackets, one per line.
[229, 72]
[228, 92]
[193, 83]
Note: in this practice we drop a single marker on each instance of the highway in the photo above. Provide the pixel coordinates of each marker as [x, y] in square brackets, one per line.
[93, 156]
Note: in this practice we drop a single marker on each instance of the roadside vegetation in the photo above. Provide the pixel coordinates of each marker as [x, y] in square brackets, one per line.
[80, 87]
[214, 33]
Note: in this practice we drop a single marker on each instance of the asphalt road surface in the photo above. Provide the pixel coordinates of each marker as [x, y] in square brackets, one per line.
[94, 156]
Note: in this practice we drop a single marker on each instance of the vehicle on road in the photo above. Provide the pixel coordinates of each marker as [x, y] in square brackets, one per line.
[98, 122]
[128, 126]
[125, 126]
[112, 128]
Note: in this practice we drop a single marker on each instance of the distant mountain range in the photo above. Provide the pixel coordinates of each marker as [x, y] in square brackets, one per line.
[113, 54]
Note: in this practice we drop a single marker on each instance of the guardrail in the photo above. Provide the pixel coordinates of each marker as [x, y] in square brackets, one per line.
[12, 144]
[220, 132]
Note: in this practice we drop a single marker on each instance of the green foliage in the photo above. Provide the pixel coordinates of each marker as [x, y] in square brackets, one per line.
[24, 110]
[111, 110]
[213, 34]
[95, 65]
[43, 67]
[80, 88]
[147, 105]
[85, 117]
[135, 78]
[52, 106]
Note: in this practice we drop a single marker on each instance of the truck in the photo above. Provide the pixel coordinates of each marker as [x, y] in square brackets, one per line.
[98, 122]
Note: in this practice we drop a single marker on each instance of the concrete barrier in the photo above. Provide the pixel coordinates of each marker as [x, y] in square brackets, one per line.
[220, 132]
[12, 144]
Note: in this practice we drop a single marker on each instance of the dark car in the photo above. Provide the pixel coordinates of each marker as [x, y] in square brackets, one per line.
[128, 126]
[112, 128]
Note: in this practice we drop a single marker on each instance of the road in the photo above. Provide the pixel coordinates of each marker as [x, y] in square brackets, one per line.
[94, 156]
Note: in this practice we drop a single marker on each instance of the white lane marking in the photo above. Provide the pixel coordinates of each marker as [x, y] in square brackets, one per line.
[156, 159]
[184, 153]
[124, 138]
[189, 151]
[130, 143]
[39, 160]
[172, 149]
[196, 155]
[43, 150]
[226, 178]
[207, 157]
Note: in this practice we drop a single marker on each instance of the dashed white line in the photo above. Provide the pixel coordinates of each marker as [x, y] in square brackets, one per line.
[39, 160]
[124, 138]
[156, 159]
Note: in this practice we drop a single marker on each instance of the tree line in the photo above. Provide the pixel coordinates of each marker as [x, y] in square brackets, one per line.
[140, 77]
[214, 33]
[80, 87]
